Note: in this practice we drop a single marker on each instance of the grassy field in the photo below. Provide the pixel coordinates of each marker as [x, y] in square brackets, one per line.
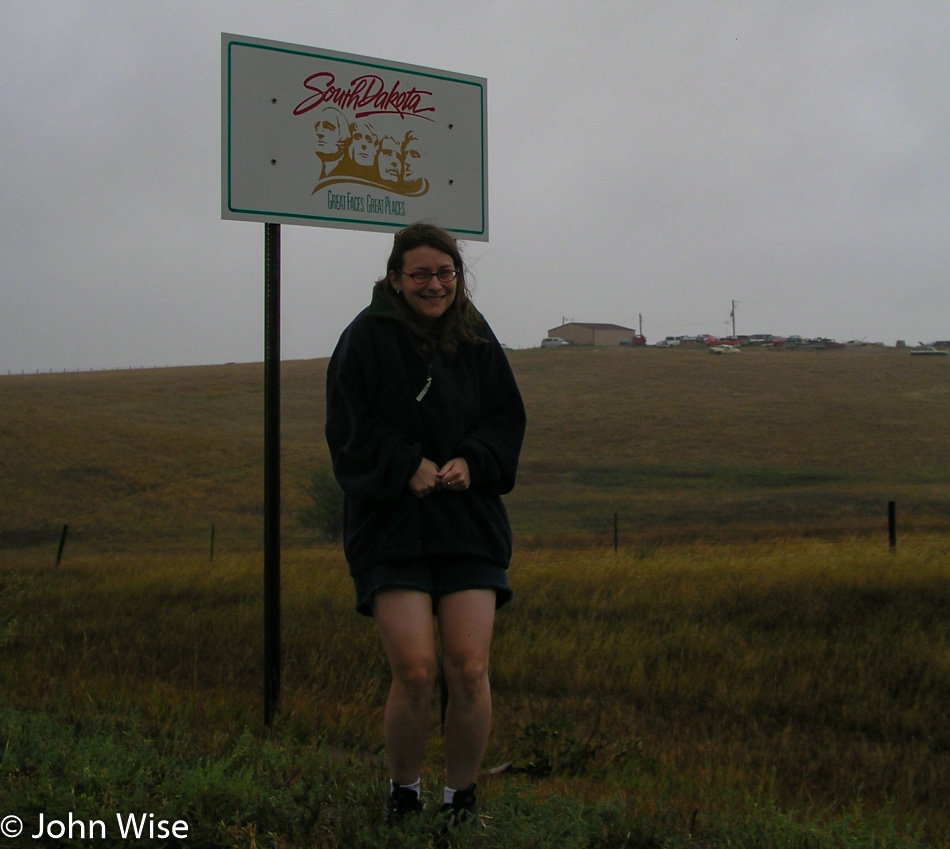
[678, 443]
[752, 667]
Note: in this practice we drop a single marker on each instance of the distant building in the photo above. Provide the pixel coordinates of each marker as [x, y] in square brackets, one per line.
[599, 335]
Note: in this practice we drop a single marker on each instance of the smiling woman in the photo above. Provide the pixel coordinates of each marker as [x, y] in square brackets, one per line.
[427, 282]
[424, 425]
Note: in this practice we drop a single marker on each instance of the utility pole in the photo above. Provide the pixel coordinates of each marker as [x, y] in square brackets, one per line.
[732, 315]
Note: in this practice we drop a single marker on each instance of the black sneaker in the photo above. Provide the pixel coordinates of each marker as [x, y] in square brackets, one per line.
[401, 804]
[463, 809]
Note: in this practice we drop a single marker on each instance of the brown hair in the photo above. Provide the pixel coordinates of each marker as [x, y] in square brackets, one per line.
[461, 322]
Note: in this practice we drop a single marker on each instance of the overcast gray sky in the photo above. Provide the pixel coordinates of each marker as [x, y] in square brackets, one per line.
[645, 158]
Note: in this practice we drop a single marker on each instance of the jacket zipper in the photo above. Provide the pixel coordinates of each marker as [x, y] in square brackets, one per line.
[425, 388]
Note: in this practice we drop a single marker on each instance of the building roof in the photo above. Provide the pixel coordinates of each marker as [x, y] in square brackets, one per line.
[596, 326]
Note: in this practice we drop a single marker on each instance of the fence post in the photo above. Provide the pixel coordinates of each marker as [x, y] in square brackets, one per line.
[62, 543]
[892, 525]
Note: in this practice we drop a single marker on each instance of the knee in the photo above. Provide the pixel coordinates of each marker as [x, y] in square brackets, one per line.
[467, 677]
[416, 678]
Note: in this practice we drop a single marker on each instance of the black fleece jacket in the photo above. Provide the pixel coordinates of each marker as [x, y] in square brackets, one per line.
[380, 426]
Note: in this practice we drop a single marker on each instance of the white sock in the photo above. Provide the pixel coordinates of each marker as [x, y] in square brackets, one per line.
[448, 795]
[414, 787]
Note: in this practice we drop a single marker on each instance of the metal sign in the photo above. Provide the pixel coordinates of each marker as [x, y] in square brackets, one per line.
[326, 139]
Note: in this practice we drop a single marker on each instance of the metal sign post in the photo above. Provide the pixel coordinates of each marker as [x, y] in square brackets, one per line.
[271, 470]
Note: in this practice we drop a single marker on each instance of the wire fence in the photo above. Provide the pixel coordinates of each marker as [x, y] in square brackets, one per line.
[56, 543]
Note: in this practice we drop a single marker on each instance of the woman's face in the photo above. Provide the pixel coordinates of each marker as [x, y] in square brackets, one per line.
[427, 300]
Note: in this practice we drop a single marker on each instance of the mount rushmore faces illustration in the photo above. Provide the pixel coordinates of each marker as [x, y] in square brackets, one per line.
[368, 154]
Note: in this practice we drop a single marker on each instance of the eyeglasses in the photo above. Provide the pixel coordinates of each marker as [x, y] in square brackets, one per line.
[423, 276]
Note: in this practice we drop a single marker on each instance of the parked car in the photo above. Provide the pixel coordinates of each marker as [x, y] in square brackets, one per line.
[669, 342]
[554, 342]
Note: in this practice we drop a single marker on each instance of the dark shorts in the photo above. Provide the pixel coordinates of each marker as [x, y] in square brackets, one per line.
[437, 576]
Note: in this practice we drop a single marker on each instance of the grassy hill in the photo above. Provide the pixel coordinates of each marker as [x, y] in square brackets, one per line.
[784, 685]
[678, 443]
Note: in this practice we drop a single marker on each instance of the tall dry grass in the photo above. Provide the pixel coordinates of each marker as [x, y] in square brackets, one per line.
[699, 679]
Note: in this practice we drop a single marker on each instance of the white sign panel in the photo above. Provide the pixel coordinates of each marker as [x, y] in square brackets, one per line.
[327, 139]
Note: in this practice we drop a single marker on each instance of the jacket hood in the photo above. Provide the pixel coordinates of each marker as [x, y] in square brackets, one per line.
[379, 307]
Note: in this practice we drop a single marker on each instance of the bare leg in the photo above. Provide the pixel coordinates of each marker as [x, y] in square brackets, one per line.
[404, 621]
[466, 620]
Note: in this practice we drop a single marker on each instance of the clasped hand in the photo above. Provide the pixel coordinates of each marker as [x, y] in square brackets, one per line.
[453, 477]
